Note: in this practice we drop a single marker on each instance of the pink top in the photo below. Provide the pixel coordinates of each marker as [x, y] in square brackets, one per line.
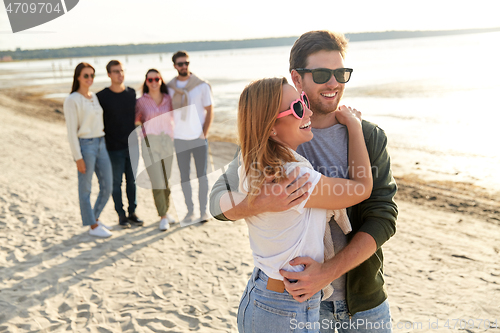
[146, 111]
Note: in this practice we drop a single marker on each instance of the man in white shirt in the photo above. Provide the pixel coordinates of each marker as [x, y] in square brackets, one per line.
[193, 114]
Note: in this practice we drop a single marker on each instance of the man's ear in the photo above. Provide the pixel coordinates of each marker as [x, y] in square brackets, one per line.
[297, 80]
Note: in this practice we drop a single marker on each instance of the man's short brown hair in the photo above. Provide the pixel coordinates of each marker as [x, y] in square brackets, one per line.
[315, 41]
[179, 54]
[111, 64]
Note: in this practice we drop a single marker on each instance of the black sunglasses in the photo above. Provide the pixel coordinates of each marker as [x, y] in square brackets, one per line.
[86, 76]
[157, 79]
[323, 75]
[180, 64]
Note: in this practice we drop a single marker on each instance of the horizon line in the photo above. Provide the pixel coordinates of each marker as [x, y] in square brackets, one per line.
[255, 39]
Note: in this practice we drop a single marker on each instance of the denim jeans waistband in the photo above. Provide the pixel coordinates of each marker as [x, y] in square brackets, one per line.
[261, 275]
[97, 139]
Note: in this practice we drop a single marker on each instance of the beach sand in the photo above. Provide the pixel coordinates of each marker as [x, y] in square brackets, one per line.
[442, 264]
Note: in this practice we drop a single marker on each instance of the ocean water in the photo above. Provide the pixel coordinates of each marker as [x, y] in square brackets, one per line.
[435, 97]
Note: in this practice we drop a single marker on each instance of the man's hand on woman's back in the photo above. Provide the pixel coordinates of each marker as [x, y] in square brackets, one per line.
[273, 197]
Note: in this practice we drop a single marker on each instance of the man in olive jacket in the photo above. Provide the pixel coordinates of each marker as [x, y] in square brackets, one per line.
[359, 301]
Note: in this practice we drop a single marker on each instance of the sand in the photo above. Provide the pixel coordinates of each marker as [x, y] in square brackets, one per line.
[442, 264]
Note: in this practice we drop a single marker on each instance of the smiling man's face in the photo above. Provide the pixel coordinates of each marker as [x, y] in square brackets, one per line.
[324, 98]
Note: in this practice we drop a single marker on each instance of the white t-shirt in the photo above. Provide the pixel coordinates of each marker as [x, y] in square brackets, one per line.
[277, 238]
[192, 127]
[83, 120]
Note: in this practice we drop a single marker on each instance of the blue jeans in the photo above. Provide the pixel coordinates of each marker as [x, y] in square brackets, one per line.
[199, 149]
[335, 315]
[96, 160]
[121, 164]
[263, 310]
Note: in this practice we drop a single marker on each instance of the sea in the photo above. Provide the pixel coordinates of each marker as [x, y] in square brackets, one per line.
[435, 97]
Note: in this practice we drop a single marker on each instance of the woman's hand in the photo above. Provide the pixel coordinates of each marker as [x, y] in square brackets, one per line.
[80, 165]
[348, 116]
[359, 185]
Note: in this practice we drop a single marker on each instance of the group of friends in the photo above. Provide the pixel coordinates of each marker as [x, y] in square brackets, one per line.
[101, 125]
[311, 179]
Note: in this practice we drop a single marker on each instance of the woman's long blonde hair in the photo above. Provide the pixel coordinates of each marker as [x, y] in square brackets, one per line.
[257, 113]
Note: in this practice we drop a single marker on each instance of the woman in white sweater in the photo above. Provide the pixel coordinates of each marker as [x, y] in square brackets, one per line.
[85, 125]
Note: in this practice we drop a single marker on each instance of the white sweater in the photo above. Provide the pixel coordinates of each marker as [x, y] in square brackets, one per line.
[83, 120]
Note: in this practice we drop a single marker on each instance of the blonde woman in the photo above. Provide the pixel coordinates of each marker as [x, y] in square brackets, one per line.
[273, 120]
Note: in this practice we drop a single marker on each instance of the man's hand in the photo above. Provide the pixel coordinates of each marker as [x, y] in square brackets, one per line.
[278, 197]
[273, 197]
[312, 279]
[208, 121]
[315, 276]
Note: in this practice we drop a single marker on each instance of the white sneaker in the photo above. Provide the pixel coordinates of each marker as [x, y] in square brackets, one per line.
[204, 218]
[103, 225]
[170, 219]
[164, 224]
[100, 231]
[188, 218]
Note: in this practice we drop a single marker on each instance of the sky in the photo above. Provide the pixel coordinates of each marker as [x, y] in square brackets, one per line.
[102, 22]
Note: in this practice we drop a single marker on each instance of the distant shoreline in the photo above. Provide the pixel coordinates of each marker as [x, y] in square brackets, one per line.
[130, 49]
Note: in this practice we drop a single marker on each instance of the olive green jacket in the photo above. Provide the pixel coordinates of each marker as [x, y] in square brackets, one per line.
[375, 216]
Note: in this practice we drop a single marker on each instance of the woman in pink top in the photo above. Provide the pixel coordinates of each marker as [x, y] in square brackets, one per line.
[153, 112]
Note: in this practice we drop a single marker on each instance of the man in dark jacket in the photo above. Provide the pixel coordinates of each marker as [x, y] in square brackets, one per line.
[359, 301]
[118, 103]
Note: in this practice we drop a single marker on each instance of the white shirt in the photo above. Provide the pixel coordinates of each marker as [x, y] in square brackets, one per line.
[83, 120]
[192, 127]
[277, 238]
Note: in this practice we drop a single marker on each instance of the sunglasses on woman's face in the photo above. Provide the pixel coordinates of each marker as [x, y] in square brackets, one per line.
[323, 75]
[297, 107]
[86, 76]
[156, 79]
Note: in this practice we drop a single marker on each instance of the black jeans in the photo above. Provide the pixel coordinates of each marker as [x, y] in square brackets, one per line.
[121, 164]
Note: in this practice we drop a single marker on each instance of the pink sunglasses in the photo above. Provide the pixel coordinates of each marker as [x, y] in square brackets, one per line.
[297, 107]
